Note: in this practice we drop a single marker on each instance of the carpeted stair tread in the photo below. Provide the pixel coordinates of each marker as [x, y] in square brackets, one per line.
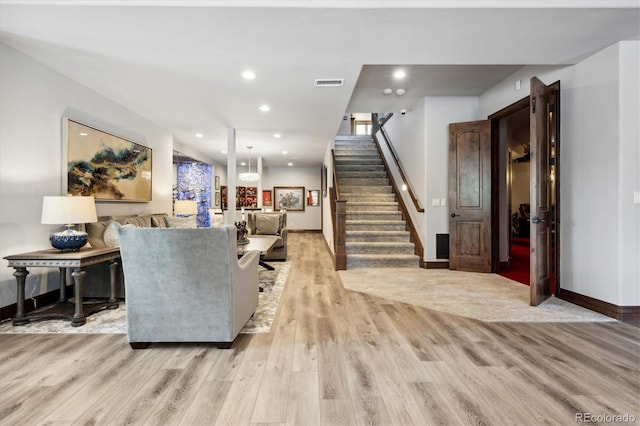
[382, 260]
[377, 235]
[379, 247]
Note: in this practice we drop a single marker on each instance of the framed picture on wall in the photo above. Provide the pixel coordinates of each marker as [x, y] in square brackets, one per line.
[313, 197]
[217, 184]
[289, 197]
[266, 198]
[216, 202]
[104, 165]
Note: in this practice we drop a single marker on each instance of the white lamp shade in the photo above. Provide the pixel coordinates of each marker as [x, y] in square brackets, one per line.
[185, 207]
[61, 210]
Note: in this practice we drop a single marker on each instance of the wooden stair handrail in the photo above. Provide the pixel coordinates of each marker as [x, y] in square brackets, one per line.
[416, 202]
[413, 232]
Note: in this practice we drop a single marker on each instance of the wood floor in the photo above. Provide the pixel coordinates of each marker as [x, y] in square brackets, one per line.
[333, 357]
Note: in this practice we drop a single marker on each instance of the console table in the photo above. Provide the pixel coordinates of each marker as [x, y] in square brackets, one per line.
[77, 261]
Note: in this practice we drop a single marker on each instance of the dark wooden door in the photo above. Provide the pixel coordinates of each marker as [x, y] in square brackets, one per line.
[470, 196]
[541, 108]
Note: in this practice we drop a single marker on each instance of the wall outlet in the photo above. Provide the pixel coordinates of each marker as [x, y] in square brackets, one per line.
[518, 84]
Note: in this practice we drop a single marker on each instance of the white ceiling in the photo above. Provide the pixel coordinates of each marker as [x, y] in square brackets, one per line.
[178, 63]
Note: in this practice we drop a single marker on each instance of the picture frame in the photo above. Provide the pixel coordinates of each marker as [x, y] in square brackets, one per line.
[216, 201]
[313, 198]
[217, 183]
[106, 166]
[266, 198]
[290, 198]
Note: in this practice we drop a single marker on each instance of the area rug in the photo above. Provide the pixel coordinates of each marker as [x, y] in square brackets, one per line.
[486, 297]
[114, 321]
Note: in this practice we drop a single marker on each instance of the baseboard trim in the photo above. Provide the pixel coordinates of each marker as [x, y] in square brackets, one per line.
[304, 230]
[33, 303]
[621, 313]
[436, 265]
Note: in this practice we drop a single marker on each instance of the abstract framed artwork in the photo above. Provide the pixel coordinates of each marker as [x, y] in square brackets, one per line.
[290, 198]
[313, 197]
[106, 166]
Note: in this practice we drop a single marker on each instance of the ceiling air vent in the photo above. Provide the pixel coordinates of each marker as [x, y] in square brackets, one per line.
[329, 82]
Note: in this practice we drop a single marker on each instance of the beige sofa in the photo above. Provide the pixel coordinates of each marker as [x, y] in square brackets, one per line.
[96, 282]
[273, 223]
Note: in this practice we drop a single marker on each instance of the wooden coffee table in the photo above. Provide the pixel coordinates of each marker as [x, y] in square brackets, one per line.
[262, 243]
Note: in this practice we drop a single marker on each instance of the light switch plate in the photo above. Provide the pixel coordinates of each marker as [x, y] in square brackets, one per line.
[636, 197]
[435, 202]
[443, 202]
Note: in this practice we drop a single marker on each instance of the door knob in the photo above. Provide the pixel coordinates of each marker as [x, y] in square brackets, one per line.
[537, 220]
[454, 215]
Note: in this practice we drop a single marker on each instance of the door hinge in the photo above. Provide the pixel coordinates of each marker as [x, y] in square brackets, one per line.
[533, 105]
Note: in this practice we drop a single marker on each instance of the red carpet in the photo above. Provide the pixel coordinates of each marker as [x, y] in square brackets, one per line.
[519, 267]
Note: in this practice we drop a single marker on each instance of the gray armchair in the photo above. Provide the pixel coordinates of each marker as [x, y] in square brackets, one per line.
[272, 223]
[186, 285]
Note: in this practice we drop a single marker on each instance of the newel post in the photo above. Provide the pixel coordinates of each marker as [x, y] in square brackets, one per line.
[341, 228]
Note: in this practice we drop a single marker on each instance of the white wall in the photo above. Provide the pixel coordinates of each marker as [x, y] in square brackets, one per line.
[408, 137]
[600, 228]
[421, 140]
[34, 100]
[309, 177]
[327, 220]
[440, 112]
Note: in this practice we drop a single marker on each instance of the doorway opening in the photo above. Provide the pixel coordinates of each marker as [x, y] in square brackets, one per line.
[511, 191]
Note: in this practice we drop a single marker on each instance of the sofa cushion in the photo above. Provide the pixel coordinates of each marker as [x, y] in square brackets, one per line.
[139, 221]
[181, 222]
[96, 231]
[159, 221]
[267, 224]
[110, 235]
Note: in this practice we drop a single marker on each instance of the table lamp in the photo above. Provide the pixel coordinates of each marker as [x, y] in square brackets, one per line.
[185, 208]
[68, 211]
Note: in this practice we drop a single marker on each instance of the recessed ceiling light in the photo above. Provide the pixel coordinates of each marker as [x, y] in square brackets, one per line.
[289, 164]
[199, 135]
[243, 164]
[224, 151]
[399, 74]
[387, 91]
[264, 108]
[277, 135]
[84, 134]
[285, 152]
[249, 75]
[400, 92]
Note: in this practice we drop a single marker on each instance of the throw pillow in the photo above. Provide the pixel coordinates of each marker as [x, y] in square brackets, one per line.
[181, 222]
[267, 224]
[110, 235]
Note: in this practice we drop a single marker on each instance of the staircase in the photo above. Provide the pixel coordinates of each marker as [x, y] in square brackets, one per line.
[376, 234]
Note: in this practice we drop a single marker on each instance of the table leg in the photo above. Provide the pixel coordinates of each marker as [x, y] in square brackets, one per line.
[266, 265]
[113, 271]
[63, 285]
[78, 317]
[21, 275]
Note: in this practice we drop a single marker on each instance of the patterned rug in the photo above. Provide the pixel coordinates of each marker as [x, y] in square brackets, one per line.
[114, 321]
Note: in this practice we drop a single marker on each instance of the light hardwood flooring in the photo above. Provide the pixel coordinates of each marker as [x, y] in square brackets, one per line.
[333, 356]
